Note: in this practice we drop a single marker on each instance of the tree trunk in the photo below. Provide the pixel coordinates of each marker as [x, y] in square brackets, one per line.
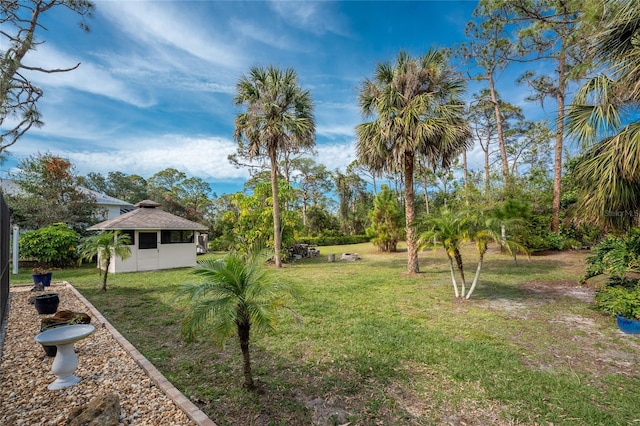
[557, 164]
[304, 208]
[465, 178]
[277, 238]
[106, 272]
[453, 275]
[458, 258]
[426, 195]
[487, 170]
[412, 250]
[243, 335]
[476, 276]
[501, 141]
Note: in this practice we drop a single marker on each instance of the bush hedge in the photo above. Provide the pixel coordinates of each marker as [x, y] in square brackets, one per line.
[54, 245]
[333, 240]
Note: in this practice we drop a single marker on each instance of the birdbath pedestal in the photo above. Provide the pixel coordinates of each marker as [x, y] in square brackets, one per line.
[66, 360]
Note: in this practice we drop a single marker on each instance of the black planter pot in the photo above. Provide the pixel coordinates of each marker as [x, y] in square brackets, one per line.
[46, 303]
[44, 279]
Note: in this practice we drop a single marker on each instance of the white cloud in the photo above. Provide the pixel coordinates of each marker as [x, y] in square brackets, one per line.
[336, 130]
[168, 24]
[314, 17]
[205, 158]
[336, 156]
[274, 39]
[88, 77]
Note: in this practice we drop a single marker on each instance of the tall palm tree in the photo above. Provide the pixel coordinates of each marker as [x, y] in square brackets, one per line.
[602, 119]
[417, 109]
[278, 117]
[106, 246]
[234, 294]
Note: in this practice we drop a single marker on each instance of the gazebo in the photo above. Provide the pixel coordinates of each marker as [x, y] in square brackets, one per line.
[159, 240]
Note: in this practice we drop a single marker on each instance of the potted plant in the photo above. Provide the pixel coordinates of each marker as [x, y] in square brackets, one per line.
[42, 276]
[46, 303]
[623, 301]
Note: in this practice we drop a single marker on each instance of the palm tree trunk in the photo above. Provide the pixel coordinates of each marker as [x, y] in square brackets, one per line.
[243, 335]
[458, 258]
[412, 249]
[453, 275]
[106, 272]
[476, 276]
[277, 238]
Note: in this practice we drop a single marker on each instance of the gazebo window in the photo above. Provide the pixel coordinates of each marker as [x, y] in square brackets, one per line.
[132, 236]
[176, 237]
[147, 240]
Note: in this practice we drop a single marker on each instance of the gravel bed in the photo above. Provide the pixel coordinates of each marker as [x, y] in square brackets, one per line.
[104, 367]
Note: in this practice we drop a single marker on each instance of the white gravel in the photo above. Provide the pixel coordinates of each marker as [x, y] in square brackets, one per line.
[104, 367]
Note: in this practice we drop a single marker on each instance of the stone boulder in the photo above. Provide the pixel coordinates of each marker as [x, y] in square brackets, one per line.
[350, 256]
[101, 411]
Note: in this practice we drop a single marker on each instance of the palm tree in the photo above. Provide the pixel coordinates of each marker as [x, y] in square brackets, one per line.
[450, 230]
[446, 229]
[417, 109]
[278, 118]
[234, 294]
[609, 171]
[491, 226]
[106, 246]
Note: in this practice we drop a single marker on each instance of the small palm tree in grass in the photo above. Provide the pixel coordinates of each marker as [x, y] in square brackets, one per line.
[235, 294]
[106, 246]
[484, 227]
[450, 230]
[446, 229]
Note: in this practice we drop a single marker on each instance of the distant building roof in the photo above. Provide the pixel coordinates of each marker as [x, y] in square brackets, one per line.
[147, 216]
[10, 187]
[103, 199]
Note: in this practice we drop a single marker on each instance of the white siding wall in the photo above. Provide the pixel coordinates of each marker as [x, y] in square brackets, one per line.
[177, 255]
[170, 256]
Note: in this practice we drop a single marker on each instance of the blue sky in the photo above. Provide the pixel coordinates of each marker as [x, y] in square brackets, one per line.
[156, 82]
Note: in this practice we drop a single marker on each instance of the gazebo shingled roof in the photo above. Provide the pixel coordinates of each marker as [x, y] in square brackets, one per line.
[147, 216]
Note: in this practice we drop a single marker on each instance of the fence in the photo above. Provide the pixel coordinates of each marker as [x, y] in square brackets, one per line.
[5, 259]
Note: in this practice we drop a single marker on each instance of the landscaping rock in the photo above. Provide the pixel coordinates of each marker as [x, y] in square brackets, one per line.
[38, 287]
[104, 367]
[101, 411]
[350, 256]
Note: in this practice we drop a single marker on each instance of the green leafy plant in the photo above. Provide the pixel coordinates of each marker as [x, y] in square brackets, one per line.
[54, 245]
[619, 300]
[235, 295]
[615, 255]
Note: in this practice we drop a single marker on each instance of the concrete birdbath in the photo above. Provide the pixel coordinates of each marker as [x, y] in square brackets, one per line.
[66, 360]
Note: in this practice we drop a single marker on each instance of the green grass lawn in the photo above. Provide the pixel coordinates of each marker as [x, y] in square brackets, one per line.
[378, 346]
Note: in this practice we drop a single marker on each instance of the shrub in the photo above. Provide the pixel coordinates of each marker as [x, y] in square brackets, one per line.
[337, 240]
[616, 255]
[54, 245]
[619, 300]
